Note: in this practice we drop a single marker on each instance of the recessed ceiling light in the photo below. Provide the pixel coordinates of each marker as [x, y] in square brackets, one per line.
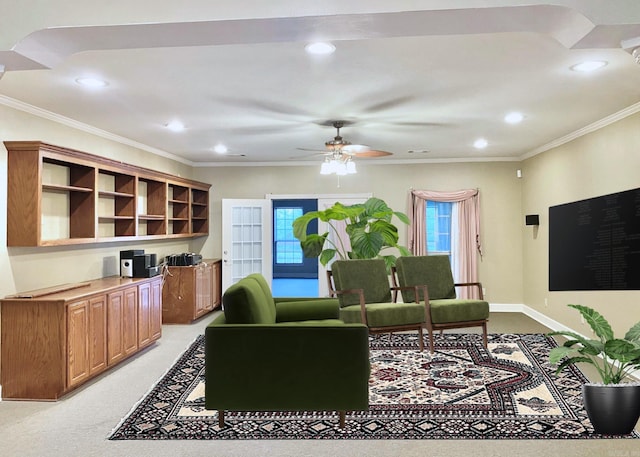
[175, 126]
[589, 65]
[93, 83]
[320, 48]
[514, 117]
[480, 143]
[220, 148]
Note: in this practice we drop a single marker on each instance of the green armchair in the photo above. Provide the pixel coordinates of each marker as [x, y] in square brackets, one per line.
[293, 354]
[364, 293]
[444, 309]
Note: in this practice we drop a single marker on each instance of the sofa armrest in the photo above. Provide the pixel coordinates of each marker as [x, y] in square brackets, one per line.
[284, 367]
[306, 309]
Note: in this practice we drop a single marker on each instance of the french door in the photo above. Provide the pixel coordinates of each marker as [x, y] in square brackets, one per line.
[246, 239]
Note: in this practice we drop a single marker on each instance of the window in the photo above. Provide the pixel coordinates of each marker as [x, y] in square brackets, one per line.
[288, 249]
[438, 223]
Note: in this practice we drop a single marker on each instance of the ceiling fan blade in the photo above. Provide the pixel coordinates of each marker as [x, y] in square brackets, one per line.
[373, 153]
[360, 150]
[321, 151]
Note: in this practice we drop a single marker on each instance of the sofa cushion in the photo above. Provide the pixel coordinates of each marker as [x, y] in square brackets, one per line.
[385, 314]
[458, 310]
[307, 309]
[245, 303]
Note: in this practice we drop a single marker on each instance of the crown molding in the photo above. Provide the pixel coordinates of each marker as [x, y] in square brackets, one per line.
[34, 110]
[615, 117]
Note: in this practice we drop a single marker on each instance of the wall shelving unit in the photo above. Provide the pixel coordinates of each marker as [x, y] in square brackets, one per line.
[58, 196]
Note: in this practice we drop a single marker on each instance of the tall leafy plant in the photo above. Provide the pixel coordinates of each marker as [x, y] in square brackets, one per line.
[369, 228]
[623, 354]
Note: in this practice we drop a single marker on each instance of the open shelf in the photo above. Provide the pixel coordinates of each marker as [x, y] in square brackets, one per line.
[60, 196]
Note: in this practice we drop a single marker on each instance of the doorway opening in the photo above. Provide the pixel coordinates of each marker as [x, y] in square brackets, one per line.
[294, 275]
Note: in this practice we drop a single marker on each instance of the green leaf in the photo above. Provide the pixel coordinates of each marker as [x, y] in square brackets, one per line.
[621, 350]
[558, 353]
[367, 245]
[402, 216]
[572, 361]
[403, 250]
[634, 333]
[388, 231]
[300, 224]
[326, 256]
[596, 321]
[313, 244]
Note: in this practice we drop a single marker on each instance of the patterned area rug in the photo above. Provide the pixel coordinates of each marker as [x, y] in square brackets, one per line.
[463, 391]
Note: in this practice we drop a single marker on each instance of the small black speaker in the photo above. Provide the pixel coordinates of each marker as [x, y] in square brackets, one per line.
[532, 219]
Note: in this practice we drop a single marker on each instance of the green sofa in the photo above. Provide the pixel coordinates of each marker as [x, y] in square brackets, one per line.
[283, 354]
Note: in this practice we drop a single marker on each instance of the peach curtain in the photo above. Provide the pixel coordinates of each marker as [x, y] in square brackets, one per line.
[467, 241]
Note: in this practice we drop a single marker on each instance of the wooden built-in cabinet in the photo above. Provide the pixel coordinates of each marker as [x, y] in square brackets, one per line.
[55, 340]
[191, 292]
[57, 196]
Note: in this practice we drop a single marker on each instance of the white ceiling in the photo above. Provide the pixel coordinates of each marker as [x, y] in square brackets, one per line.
[407, 75]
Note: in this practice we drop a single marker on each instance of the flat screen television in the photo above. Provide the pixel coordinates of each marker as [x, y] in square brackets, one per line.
[594, 244]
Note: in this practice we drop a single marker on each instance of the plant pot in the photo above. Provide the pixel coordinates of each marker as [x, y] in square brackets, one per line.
[612, 409]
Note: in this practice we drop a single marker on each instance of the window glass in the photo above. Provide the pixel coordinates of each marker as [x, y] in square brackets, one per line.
[288, 249]
[438, 223]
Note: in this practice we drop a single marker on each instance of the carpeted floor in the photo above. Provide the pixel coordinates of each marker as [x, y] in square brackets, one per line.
[463, 391]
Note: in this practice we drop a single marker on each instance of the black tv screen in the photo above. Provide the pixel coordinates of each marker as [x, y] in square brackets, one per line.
[594, 244]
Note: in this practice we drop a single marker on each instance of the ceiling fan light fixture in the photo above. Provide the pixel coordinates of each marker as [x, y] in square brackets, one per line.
[326, 168]
[351, 167]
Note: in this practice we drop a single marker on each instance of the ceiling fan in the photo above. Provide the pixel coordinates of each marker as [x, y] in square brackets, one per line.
[340, 152]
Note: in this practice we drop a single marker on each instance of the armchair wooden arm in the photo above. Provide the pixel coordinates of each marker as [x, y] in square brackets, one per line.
[472, 284]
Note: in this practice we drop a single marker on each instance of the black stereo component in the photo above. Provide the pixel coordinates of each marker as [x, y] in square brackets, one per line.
[183, 260]
[126, 262]
[144, 266]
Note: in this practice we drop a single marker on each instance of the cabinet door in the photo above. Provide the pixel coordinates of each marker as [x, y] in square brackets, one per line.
[144, 314]
[97, 335]
[130, 318]
[156, 308]
[77, 343]
[200, 286]
[216, 284]
[207, 287]
[115, 327]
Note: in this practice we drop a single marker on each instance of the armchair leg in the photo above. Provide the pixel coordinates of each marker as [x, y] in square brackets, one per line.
[484, 335]
[431, 340]
[420, 335]
[342, 415]
[220, 418]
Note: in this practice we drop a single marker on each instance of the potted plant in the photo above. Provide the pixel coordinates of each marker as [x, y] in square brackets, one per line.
[368, 227]
[613, 406]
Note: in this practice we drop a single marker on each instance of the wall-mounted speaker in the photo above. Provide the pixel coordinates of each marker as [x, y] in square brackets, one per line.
[532, 219]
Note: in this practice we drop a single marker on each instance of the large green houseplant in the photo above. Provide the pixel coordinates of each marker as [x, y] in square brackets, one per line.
[613, 406]
[369, 228]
